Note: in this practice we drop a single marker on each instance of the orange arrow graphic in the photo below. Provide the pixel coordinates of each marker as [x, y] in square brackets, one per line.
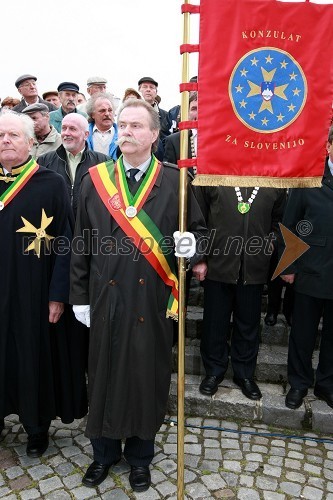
[295, 247]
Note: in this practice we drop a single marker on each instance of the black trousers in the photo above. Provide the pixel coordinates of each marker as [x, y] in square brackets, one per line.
[137, 452]
[30, 429]
[220, 301]
[306, 316]
[275, 288]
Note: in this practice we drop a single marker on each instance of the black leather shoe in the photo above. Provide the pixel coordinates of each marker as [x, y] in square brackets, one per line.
[270, 319]
[324, 394]
[249, 387]
[209, 385]
[139, 478]
[96, 474]
[294, 398]
[37, 444]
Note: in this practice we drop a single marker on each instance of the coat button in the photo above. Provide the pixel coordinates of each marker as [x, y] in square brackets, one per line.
[141, 281]
[112, 282]
[141, 319]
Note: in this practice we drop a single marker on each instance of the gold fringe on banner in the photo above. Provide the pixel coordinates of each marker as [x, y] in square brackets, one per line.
[250, 181]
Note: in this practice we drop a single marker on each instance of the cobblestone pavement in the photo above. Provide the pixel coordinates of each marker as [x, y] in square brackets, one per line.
[223, 459]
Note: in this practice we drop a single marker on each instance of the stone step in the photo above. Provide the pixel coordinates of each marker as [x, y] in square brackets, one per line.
[230, 403]
[271, 362]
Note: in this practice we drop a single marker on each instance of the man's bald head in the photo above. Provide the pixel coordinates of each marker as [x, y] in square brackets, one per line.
[74, 132]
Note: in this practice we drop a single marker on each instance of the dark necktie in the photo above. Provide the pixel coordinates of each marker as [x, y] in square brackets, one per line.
[131, 181]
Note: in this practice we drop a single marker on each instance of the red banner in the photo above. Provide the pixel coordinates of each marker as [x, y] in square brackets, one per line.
[265, 92]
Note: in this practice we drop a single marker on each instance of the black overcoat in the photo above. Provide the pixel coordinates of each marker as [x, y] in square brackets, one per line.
[130, 337]
[309, 214]
[36, 362]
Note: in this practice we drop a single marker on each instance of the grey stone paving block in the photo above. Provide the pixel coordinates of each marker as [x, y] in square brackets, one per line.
[58, 495]
[289, 463]
[253, 457]
[313, 469]
[171, 449]
[230, 478]
[296, 477]
[210, 465]
[2, 482]
[278, 461]
[246, 480]
[190, 438]
[81, 459]
[51, 484]
[30, 494]
[4, 491]
[73, 481]
[157, 476]
[66, 441]
[312, 493]
[166, 488]
[270, 495]
[191, 461]
[150, 494]
[247, 494]
[271, 470]
[213, 481]
[14, 472]
[82, 493]
[213, 454]
[70, 451]
[289, 488]
[107, 484]
[266, 483]
[39, 471]
[232, 465]
[230, 444]
[197, 490]
[232, 455]
[26, 461]
[64, 469]
[10, 497]
[316, 482]
[82, 440]
[168, 466]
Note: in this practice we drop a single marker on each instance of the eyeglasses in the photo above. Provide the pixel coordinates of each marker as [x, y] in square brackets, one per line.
[28, 84]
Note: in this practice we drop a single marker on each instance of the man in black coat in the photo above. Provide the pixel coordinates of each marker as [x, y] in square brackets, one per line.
[36, 378]
[312, 275]
[26, 85]
[128, 290]
[243, 224]
[73, 158]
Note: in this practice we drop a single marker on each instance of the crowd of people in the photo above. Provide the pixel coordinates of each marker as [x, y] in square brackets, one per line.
[89, 222]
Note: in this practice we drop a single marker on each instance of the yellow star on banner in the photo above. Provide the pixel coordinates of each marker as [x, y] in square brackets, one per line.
[40, 233]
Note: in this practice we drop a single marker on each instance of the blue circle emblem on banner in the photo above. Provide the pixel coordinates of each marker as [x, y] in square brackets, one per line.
[267, 89]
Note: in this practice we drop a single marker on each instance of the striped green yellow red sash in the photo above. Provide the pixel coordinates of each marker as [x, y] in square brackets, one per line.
[139, 227]
[20, 181]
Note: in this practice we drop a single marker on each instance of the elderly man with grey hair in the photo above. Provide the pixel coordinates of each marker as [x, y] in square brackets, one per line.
[46, 137]
[73, 158]
[103, 131]
[38, 381]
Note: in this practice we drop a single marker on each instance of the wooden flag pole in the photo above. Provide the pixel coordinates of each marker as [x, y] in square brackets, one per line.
[182, 266]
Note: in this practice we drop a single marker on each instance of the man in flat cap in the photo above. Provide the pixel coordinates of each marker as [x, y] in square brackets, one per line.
[68, 92]
[95, 84]
[148, 89]
[46, 136]
[26, 85]
[52, 96]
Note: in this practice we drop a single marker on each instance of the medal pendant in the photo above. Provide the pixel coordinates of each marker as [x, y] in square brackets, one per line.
[243, 207]
[2, 205]
[131, 212]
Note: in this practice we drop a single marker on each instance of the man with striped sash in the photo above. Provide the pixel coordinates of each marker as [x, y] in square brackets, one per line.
[36, 377]
[124, 280]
